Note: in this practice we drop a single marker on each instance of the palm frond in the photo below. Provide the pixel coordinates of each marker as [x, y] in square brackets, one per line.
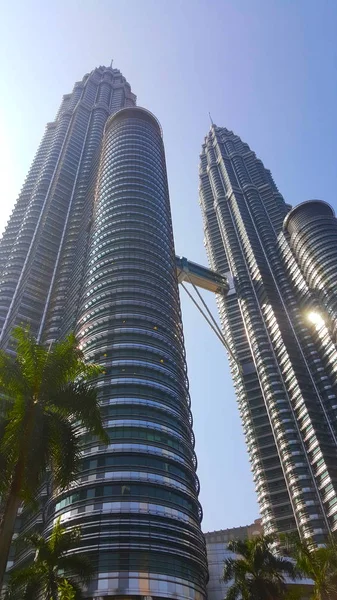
[258, 572]
[65, 450]
[228, 569]
[14, 431]
[12, 379]
[6, 405]
[78, 400]
[65, 363]
[235, 592]
[25, 583]
[63, 540]
[44, 398]
[239, 547]
[78, 565]
[236, 568]
[53, 556]
[76, 587]
[30, 356]
[40, 545]
[284, 566]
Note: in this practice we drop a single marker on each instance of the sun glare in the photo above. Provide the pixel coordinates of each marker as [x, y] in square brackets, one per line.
[316, 319]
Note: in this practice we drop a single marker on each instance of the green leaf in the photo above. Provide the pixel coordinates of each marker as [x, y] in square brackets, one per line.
[53, 555]
[258, 573]
[47, 395]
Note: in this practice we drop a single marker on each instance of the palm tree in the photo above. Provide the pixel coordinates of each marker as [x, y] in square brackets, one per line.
[66, 590]
[56, 573]
[258, 573]
[46, 397]
[318, 564]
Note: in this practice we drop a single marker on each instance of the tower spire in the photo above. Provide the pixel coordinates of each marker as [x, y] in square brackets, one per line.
[210, 118]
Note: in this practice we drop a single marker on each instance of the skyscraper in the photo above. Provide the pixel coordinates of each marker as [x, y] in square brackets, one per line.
[39, 246]
[111, 276]
[285, 383]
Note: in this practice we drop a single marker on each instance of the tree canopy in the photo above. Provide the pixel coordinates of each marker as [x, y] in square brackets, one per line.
[47, 398]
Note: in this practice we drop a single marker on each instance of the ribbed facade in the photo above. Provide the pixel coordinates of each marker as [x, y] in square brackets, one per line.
[286, 393]
[137, 499]
[89, 248]
[39, 246]
[311, 229]
[43, 248]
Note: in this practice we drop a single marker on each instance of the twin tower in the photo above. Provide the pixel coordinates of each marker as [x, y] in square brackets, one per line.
[89, 248]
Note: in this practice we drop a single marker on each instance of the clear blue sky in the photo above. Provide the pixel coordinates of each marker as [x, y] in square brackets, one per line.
[264, 68]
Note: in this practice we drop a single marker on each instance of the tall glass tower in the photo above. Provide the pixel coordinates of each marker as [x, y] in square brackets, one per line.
[39, 246]
[286, 380]
[137, 500]
[109, 273]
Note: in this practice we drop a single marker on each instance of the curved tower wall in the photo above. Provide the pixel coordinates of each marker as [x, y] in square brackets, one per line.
[137, 500]
[312, 234]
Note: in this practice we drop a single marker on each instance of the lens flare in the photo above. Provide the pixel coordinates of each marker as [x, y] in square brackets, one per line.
[316, 319]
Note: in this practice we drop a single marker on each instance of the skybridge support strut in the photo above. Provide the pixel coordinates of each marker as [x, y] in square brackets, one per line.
[201, 277]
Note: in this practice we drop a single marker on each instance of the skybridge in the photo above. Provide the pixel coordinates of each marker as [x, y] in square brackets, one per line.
[200, 276]
[212, 281]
